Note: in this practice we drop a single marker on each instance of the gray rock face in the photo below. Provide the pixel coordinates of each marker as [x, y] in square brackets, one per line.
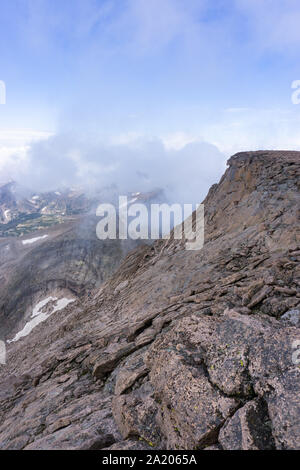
[242, 385]
[178, 349]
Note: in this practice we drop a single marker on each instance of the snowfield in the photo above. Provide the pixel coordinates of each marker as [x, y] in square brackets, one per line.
[38, 316]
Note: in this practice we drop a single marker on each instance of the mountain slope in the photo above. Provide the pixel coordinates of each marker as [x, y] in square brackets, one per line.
[68, 256]
[179, 349]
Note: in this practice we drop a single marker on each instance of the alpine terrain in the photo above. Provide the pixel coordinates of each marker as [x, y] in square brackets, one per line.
[125, 345]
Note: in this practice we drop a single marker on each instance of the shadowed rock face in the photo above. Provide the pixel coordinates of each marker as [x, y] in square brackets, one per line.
[178, 349]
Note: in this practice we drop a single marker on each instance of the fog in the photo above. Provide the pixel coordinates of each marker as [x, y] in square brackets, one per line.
[69, 160]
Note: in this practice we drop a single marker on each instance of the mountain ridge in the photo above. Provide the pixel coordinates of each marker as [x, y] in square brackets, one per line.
[178, 349]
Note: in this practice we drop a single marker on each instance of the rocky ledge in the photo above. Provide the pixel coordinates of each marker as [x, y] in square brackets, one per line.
[179, 349]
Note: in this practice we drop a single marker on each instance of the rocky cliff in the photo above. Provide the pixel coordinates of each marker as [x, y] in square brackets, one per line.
[178, 349]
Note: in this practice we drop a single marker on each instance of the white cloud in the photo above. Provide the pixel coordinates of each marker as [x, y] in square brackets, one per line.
[14, 145]
[184, 171]
[178, 140]
[154, 24]
[255, 129]
[273, 23]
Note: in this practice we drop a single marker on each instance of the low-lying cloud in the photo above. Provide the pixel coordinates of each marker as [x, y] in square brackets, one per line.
[143, 164]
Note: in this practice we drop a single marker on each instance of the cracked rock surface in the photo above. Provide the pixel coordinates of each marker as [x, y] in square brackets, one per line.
[178, 349]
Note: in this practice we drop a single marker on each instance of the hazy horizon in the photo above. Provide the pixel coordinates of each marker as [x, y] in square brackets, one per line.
[144, 93]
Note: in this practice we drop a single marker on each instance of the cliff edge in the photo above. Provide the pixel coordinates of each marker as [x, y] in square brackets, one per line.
[178, 349]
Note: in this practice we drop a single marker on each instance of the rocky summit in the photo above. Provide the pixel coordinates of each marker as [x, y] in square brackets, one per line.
[177, 349]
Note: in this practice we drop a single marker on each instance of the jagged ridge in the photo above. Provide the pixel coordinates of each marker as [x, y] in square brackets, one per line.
[178, 349]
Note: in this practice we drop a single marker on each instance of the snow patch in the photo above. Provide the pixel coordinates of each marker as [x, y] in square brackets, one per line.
[132, 200]
[33, 240]
[38, 316]
[6, 214]
[40, 305]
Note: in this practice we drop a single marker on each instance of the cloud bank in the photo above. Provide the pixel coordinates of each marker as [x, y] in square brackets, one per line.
[67, 160]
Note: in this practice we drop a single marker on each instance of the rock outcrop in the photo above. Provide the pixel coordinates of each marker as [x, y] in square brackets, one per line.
[178, 349]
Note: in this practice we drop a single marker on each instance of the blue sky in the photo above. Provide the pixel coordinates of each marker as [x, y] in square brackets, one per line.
[127, 71]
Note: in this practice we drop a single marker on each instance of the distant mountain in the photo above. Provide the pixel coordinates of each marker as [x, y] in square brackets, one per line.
[23, 214]
[20, 215]
[48, 245]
